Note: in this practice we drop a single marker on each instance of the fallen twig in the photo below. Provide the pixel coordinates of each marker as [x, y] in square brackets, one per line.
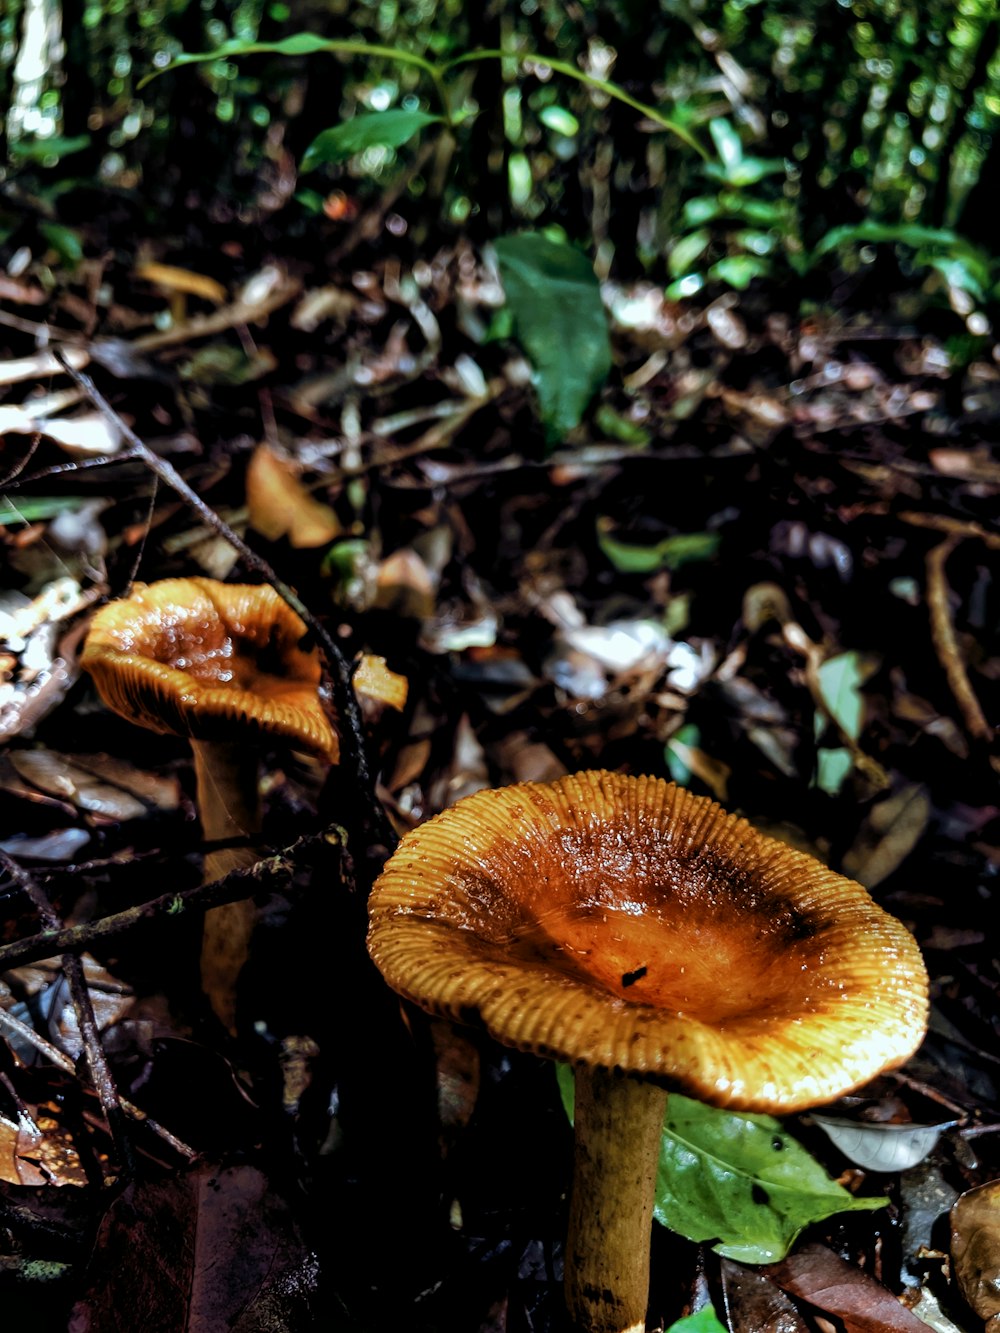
[230, 888]
[945, 642]
[97, 1062]
[63, 1062]
[957, 527]
[76, 356]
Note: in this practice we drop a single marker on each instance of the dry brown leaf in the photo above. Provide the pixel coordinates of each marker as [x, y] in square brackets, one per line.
[405, 585]
[162, 792]
[374, 682]
[817, 1275]
[55, 774]
[281, 506]
[215, 1249]
[890, 832]
[754, 1304]
[38, 1151]
[975, 1250]
[14, 1139]
[170, 278]
[85, 436]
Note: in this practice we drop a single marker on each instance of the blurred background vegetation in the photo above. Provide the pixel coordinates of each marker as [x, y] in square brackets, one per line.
[848, 137]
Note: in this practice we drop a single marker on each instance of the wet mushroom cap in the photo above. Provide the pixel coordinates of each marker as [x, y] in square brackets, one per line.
[628, 924]
[210, 661]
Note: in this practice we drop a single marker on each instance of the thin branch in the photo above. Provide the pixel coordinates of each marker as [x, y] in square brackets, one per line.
[959, 527]
[345, 702]
[271, 870]
[62, 1061]
[946, 642]
[97, 1062]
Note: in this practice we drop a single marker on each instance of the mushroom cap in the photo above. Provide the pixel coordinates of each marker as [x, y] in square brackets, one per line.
[211, 661]
[625, 923]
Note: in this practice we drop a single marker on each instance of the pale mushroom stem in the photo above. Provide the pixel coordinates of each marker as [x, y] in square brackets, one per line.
[229, 807]
[618, 1126]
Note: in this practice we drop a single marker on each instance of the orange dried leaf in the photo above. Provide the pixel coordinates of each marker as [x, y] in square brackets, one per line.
[173, 279]
[281, 506]
[373, 680]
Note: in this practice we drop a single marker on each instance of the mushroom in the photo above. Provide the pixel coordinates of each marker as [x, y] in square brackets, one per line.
[224, 665]
[654, 941]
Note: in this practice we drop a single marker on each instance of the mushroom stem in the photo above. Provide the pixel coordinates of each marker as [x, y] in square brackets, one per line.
[618, 1126]
[228, 807]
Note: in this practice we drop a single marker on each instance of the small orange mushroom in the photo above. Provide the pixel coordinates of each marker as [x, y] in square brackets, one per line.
[223, 665]
[654, 941]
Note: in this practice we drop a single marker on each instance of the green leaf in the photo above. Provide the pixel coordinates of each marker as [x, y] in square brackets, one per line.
[688, 735]
[727, 144]
[739, 271]
[64, 240]
[559, 320]
[746, 172]
[755, 242]
[299, 44]
[761, 212]
[35, 508]
[43, 150]
[832, 769]
[875, 233]
[390, 129]
[741, 1181]
[704, 208]
[671, 553]
[687, 250]
[705, 1321]
[616, 426]
[839, 679]
[559, 119]
[957, 272]
[738, 1180]
[344, 559]
[311, 200]
[684, 288]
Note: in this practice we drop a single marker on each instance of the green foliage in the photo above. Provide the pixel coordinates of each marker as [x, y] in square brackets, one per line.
[48, 150]
[704, 1321]
[675, 749]
[772, 230]
[840, 679]
[738, 1180]
[559, 320]
[390, 129]
[742, 1182]
[833, 767]
[35, 508]
[682, 548]
[805, 139]
[64, 240]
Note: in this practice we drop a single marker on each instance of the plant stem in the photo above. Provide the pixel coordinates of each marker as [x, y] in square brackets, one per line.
[228, 807]
[599, 85]
[436, 73]
[618, 1126]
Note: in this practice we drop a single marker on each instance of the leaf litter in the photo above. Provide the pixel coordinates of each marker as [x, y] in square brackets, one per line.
[762, 562]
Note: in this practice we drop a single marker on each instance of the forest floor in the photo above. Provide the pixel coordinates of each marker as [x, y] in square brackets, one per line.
[765, 566]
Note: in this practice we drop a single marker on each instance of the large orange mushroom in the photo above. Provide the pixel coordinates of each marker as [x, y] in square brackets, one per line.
[227, 667]
[654, 941]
